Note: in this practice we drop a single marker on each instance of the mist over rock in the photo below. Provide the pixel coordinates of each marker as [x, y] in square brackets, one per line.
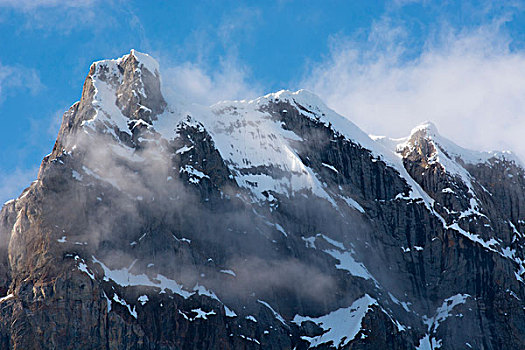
[272, 223]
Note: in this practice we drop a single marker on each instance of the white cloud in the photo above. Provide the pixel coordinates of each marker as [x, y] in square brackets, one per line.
[62, 17]
[12, 184]
[32, 4]
[13, 181]
[237, 26]
[17, 77]
[196, 83]
[470, 83]
[206, 79]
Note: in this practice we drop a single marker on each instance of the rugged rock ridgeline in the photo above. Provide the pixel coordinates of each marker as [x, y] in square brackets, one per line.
[265, 224]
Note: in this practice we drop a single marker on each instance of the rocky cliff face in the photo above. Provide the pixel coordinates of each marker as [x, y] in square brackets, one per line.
[265, 224]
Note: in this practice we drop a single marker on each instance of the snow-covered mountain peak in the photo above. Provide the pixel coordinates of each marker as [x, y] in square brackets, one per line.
[424, 133]
[256, 138]
[302, 96]
[139, 59]
[427, 133]
[145, 61]
[312, 106]
[123, 94]
[427, 127]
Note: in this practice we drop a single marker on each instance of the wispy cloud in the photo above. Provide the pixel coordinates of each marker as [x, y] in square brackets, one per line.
[237, 26]
[62, 17]
[11, 184]
[215, 74]
[33, 4]
[469, 82]
[18, 78]
[13, 181]
[197, 83]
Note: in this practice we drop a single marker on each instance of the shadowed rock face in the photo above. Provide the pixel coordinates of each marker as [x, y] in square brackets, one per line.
[267, 224]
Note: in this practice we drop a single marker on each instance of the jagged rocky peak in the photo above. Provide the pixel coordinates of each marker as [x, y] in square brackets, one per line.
[139, 96]
[421, 145]
[428, 143]
[132, 83]
[423, 133]
[121, 99]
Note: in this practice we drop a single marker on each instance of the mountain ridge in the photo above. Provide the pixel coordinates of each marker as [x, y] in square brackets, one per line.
[271, 223]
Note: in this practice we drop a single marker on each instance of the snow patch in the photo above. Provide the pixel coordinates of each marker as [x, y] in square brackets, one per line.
[7, 297]
[229, 272]
[132, 311]
[229, 312]
[353, 204]
[125, 278]
[345, 258]
[275, 313]
[341, 326]
[146, 60]
[444, 311]
[331, 167]
[202, 314]
[143, 299]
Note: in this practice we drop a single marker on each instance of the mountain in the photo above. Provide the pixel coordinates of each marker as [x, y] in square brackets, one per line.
[273, 223]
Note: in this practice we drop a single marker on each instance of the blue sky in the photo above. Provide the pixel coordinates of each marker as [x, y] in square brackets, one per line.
[385, 65]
